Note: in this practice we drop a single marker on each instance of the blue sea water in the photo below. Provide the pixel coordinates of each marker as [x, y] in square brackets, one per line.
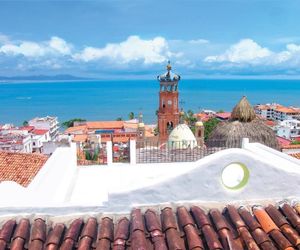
[107, 100]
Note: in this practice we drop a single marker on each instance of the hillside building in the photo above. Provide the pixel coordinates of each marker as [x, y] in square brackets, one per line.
[46, 123]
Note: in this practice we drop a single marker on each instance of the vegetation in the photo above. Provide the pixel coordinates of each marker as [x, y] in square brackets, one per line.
[295, 143]
[131, 115]
[70, 123]
[25, 123]
[156, 131]
[91, 156]
[209, 126]
[190, 118]
[119, 119]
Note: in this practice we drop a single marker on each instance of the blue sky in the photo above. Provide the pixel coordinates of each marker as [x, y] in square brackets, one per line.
[134, 39]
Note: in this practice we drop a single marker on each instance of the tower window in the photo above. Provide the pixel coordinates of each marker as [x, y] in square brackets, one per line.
[170, 126]
[169, 102]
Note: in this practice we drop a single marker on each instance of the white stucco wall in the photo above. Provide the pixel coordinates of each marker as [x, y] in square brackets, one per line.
[52, 184]
[268, 179]
[119, 187]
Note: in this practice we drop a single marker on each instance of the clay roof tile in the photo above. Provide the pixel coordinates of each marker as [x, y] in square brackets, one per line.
[121, 234]
[168, 219]
[291, 215]
[276, 216]
[235, 217]
[88, 234]
[251, 222]
[7, 230]
[55, 236]
[184, 218]
[21, 235]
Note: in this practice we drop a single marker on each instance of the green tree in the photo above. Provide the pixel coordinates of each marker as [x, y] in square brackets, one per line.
[70, 123]
[131, 115]
[220, 111]
[25, 123]
[209, 126]
[119, 119]
[190, 119]
[295, 142]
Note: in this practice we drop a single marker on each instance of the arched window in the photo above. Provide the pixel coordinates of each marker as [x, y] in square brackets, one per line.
[199, 133]
[170, 126]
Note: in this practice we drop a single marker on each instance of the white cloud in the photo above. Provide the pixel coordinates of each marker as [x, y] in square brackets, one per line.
[245, 51]
[28, 49]
[198, 41]
[4, 38]
[150, 51]
[55, 46]
[60, 45]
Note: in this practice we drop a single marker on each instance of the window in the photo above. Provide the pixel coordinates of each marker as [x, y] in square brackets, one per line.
[169, 102]
[235, 176]
[199, 133]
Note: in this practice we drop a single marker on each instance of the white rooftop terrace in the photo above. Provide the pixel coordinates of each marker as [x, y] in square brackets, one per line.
[264, 174]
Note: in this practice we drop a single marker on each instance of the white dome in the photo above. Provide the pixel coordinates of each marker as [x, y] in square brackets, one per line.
[182, 137]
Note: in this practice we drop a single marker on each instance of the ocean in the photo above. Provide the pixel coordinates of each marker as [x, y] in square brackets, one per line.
[108, 100]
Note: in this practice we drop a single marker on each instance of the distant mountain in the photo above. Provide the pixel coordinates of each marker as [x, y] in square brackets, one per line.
[43, 78]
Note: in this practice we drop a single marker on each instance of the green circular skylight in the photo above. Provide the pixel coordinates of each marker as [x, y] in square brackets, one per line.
[235, 176]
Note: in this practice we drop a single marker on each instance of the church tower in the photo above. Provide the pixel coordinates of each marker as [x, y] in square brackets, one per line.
[168, 113]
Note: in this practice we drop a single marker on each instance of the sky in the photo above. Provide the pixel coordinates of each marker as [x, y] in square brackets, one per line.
[135, 39]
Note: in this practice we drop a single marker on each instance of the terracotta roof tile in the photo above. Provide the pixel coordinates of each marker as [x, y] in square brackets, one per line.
[296, 155]
[40, 131]
[105, 125]
[223, 115]
[267, 229]
[295, 146]
[283, 141]
[74, 129]
[20, 167]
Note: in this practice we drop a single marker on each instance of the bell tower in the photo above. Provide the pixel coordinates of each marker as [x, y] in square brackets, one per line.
[168, 112]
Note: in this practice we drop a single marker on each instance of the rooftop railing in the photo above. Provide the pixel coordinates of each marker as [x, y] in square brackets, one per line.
[183, 151]
[148, 151]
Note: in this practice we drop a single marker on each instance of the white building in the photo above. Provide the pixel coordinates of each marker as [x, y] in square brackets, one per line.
[289, 129]
[46, 123]
[39, 138]
[14, 139]
[276, 112]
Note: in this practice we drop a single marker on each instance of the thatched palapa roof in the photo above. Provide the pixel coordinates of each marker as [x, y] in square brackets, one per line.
[243, 124]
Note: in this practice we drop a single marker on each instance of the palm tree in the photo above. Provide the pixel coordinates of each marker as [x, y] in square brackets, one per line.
[131, 115]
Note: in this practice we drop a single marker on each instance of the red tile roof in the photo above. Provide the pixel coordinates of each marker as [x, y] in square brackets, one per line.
[296, 155]
[28, 128]
[20, 167]
[255, 228]
[287, 110]
[40, 131]
[283, 141]
[270, 123]
[223, 115]
[105, 125]
[295, 146]
[80, 128]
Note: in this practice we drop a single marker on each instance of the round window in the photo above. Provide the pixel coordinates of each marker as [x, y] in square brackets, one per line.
[235, 176]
